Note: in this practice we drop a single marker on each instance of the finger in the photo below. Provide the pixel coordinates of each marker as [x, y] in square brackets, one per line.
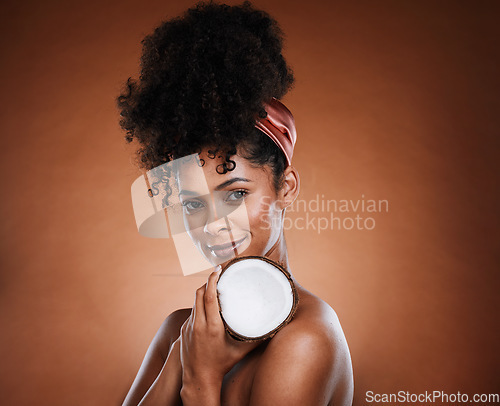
[199, 307]
[211, 302]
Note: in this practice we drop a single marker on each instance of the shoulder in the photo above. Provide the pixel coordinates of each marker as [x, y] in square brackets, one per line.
[174, 321]
[169, 330]
[315, 333]
[312, 350]
[315, 320]
[156, 355]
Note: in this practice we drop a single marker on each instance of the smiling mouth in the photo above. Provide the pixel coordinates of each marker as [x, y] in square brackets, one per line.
[224, 250]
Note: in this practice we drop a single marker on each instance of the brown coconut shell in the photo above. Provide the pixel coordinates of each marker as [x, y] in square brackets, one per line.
[295, 303]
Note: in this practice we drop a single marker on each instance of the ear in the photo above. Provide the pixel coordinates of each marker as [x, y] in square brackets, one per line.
[291, 187]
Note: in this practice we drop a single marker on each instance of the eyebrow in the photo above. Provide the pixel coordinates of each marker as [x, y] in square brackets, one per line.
[188, 192]
[219, 187]
[230, 182]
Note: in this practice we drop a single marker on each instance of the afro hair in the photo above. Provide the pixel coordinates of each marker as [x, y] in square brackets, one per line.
[204, 78]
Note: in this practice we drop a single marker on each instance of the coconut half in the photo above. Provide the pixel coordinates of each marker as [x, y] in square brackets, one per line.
[257, 297]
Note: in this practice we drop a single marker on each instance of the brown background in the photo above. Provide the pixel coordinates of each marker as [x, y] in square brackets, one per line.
[394, 100]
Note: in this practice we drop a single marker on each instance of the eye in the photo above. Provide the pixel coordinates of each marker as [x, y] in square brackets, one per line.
[192, 206]
[236, 196]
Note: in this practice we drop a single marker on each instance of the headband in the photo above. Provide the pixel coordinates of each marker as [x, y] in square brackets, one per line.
[279, 125]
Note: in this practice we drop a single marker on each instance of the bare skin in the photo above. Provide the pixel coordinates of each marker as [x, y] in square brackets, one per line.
[193, 361]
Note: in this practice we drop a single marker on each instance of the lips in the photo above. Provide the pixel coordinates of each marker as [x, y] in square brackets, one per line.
[224, 250]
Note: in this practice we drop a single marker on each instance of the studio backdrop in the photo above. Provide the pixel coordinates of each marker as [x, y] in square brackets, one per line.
[396, 225]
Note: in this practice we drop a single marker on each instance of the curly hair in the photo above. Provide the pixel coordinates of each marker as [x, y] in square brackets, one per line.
[204, 78]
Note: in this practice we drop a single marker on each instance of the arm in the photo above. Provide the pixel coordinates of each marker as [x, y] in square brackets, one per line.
[307, 363]
[207, 351]
[160, 373]
[166, 387]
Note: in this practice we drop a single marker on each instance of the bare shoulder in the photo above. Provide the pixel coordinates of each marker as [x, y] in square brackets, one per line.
[170, 329]
[311, 349]
[316, 328]
[156, 355]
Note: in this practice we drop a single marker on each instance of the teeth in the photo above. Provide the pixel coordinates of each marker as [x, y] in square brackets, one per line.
[223, 252]
[228, 247]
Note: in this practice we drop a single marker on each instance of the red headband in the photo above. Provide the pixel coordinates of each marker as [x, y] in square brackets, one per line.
[279, 125]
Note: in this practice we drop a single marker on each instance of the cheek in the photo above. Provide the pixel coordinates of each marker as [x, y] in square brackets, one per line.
[259, 215]
[193, 224]
[262, 214]
[195, 234]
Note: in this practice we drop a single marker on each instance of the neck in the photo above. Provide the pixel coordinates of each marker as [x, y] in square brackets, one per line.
[279, 253]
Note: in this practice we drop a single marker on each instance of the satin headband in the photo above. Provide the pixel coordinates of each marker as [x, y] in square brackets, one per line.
[279, 125]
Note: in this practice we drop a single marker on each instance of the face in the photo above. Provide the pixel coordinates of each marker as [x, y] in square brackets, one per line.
[232, 214]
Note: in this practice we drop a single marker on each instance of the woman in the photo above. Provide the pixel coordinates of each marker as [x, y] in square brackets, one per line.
[209, 85]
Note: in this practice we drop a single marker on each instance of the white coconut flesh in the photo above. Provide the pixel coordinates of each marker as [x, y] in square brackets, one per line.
[255, 297]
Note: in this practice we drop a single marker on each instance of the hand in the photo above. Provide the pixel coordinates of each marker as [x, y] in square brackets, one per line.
[207, 351]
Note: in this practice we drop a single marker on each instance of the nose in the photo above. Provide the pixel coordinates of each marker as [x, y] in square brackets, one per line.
[215, 226]
[216, 223]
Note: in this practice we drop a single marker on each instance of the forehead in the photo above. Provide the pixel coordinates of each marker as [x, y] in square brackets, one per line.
[204, 174]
